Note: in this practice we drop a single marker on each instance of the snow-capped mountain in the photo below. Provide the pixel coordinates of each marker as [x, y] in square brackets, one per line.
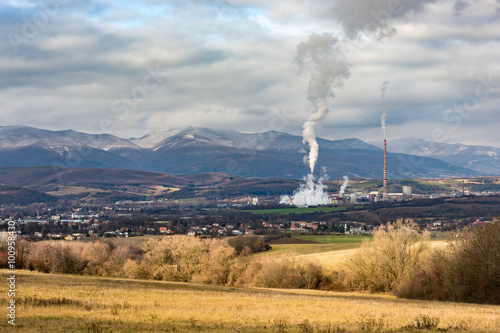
[483, 159]
[199, 150]
[13, 137]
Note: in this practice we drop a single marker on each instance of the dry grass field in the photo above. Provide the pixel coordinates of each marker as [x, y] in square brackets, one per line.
[329, 251]
[65, 190]
[63, 303]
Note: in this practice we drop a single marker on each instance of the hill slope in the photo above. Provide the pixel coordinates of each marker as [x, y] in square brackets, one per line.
[11, 195]
[70, 303]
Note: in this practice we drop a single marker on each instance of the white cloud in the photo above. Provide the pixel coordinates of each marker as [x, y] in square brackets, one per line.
[229, 64]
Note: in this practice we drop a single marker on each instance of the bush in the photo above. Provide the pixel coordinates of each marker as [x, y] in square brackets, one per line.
[396, 250]
[427, 282]
[473, 272]
[243, 243]
[57, 257]
[335, 281]
[283, 272]
[181, 258]
[467, 270]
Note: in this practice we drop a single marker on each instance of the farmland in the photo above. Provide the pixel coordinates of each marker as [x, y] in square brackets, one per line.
[62, 303]
[286, 211]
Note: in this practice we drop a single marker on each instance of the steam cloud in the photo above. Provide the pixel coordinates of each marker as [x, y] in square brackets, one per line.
[323, 53]
[329, 69]
[383, 119]
[344, 186]
[308, 194]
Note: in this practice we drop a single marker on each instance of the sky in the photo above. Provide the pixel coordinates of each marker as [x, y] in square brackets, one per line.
[131, 67]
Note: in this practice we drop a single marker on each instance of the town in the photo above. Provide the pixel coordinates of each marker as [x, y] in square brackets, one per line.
[131, 219]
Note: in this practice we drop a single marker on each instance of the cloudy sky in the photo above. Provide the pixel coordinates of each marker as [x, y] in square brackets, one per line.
[131, 67]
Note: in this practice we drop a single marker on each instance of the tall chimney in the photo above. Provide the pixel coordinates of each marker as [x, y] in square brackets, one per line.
[385, 171]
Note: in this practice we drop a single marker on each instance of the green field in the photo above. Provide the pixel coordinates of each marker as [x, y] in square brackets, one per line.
[306, 210]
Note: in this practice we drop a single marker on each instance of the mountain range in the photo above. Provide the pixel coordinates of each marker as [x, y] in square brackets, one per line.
[483, 159]
[200, 150]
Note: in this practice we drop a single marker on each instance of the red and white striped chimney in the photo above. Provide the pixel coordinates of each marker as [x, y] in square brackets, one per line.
[385, 171]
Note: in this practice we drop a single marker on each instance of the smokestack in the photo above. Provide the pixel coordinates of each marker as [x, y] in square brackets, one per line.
[312, 176]
[385, 170]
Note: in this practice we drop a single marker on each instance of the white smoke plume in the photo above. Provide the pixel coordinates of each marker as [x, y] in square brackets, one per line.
[344, 186]
[322, 52]
[308, 194]
[383, 119]
[358, 17]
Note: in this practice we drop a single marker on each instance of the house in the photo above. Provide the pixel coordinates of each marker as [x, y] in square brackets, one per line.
[249, 231]
[165, 230]
[57, 236]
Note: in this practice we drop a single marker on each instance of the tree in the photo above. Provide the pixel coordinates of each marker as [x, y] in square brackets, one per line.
[473, 269]
[180, 258]
[396, 249]
[467, 270]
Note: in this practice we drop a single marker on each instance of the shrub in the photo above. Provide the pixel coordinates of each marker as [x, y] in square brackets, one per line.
[429, 281]
[242, 243]
[467, 270]
[218, 262]
[396, 250]
[335, 280]
[181, 258]
[283, 272]
[56, 257]
[473, 269]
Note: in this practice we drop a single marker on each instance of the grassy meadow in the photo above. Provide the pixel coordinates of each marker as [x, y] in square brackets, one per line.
[329, 250]
[68, 303]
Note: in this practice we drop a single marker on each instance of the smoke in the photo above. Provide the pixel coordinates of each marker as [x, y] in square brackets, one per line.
[344, 186]
[383, 119]
[374, 17]
[323, 53]
[308, 194]
[383, 88]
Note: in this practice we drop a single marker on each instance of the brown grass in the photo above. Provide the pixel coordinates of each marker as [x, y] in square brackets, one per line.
[62, 303]
[65, 190]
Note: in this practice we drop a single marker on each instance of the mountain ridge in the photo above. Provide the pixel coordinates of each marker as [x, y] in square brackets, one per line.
[191, 150]
[483, 159]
